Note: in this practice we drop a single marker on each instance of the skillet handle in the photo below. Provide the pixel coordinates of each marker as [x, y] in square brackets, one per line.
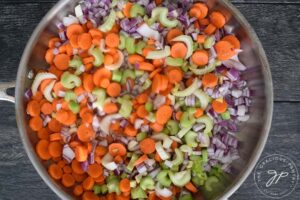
[3, 92]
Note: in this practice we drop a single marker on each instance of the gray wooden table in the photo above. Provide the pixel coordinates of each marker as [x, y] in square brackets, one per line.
[277, 23]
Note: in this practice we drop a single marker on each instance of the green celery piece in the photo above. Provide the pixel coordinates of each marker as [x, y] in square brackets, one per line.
[74, 107]
[159, 54]
[130, 165]
[76, 62]
[126, 107]
[70, 81]
[98, 55]
[186, 197]
[100, 96]
[97, 189]
[149, 106]
[147, 84]
[188, 91]
[212, 180]
[188, 42]
[199, 176]
[180, 178]
[163, 178]
[138, 193]
[117, 76]
[205, 155]
[183, 131]
[140, 136]
[138, 73]
[113, 185]
[203, 98]
[187, 120]
[211, 67]
[186, 149]
[190, 139]
[208, 123]
[147, 183]
[130, 45]
[70, 96]
[137, 10]
[122, 42]
[109, 22]
[209, 42]
[175, 62]
[128, 73]
[161, 14]
[104, 189]
[225, 115]
[140, 46]
[179, 158]
[166, 131]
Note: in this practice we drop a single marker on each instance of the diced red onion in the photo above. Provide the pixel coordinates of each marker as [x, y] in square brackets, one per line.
[46, 120]
[80, 97]
[123, 123]
[159, 101]
[28, 94]
[219, 144]
[145, 128]
[141, 168]
[138, 123]
[62, 36]
[68, 153]
[198, 127]
[234, 64]
[233, 74]
[154, 173]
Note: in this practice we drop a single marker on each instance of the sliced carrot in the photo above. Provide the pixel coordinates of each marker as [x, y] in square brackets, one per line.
[85, 133]
[36, 123]
[87, 60]
[225, 50]
[219, 106]
[209, 80]
[55, 171]
[88, 183]
[61, 163]
[232, 40]
[46, 108]
[95, 170]
[110, 108]
[61, 61]
[201, 39]
[55, 149]
[142, 98]
[95, 33]
[163, 114]
[85, 41]
[54, 125]
[49, 56]
[173, 33]
[78, 190]
[113, 89]
[204, 22]
[62, 115]
[140, 160]
[117, 149]
[200, 57]
[191, 187]
[100, 179]
[100, 150]
[175, 75]
[42, 150]
[81, 153]
[158, 62]
[126, 9]
[53, 41]
[199, 10]
[178, 50]
[217, 19]
[74, 29]
[210, 29]
[153, 73]
[43, 133]
[55, 137]
[112, 40]
[156, 84]
[125, 185]
[147, 146]
[74, 41]
[142, 112]
[100, 74]
[104, 83]
[178, 115]
[76, 167]
[174, 145]
[58, 87]
[157, 157]
[146, 50]
[88, 83]
[156, 127]
[199, 112]
[135, 58]
[108, 59]
[130, 131]
[68, 180]
[146, 66]
[67, 169]
[33, 108]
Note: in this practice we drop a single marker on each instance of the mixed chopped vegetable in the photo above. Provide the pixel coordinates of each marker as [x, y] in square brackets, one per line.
[141, 100]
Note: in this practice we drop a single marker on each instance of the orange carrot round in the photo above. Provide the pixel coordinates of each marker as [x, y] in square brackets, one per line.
[178, 50]
[175, 75]
[200, 57]
[219, 106]
[68, 180]
[55, 149]
[163, 114]
[88, 183]
[110, 108]
[125, 185]
[76, 167]
[130, 131]
[78, 190]
[225, 50]
[81, 153]
[85, 133]
[95, 170]
[113, 89]
[36, 123]
[74, 29]
[55, 171]
[232, 40]
[33, 108]
[85, 41]
[209, 80]
[46, 108]
[112, 40]
[147, 146]
[173, 33]
[117, 149]
[61, 61]
[217, 19]
[42, 150]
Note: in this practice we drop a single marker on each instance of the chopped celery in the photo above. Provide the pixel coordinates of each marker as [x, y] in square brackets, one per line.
[149, 106]
[187, 120]
[138, 178]
[212, 180]
[74, 107]
[173, 127]
[163, 178]
[205, 156]
[188, 42]
[113, 185]
[126, 107]
[195, 46]
[140, 46]
[116, 76]
[97, 189]
[179, 158]
[161, 13]
[175, 62]
[199, 176]
[140, 136]
[104, 189]
[138, 193]
[76, 62]
[161, 152]
[130, 45]
[188, 91]
[130, 165]
[151, 117]
[159, 54]
[122, 42]
[190, 139]
[147, 183]
[132, 183]
[137, 10]
[147, 84]
[70, 81]
[175, 168]
[184, 67]
[128, 73]
[109, 22]
[183, 131]
[208, 123]
[70, 96]
[186, 197]
[180, 178]
[166, 131]
[209, 42]
[203, 98]
[225, 115]
[139, 73]
[124, 175]
[98, 55]
[211, 67]
[186, 149]
[100, 96]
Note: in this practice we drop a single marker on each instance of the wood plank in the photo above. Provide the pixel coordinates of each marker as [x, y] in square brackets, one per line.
[276, 25]
[19, 180]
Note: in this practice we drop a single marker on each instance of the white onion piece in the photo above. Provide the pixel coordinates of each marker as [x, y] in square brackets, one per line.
[47, 91]
[138, 123]
[176, 139]
[233, 63]
[67, 21]
[133, 145]
[108, 163]
[105, 122]
[79, 13]
[163, 192]
[102, 46]
[39, 78]
[148, 32]
[117, 65]
[161, 152]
